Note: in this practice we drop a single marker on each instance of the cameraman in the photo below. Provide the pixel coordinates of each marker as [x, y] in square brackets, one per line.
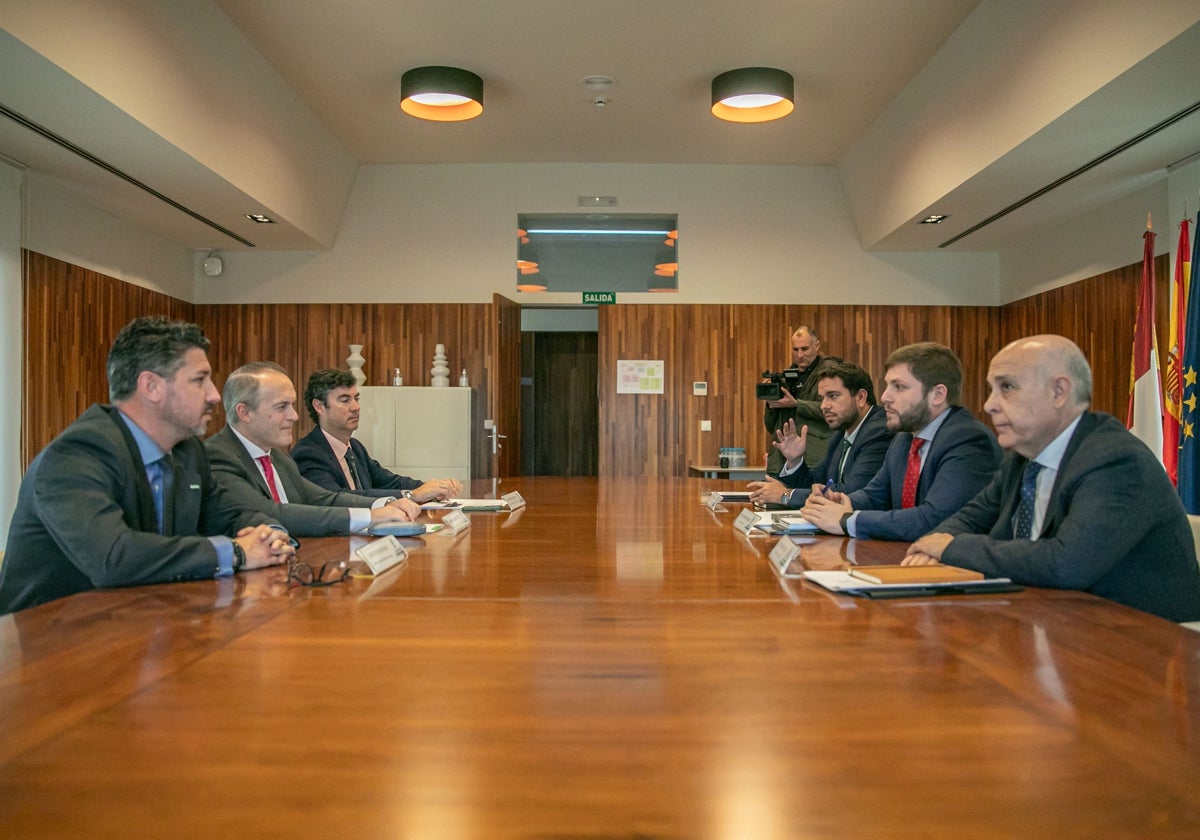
[803, 406]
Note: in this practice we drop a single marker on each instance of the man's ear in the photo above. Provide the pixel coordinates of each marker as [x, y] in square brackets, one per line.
[242, 411]
[150, 386]
[937, 395]
[1060, 389]
[318, 406]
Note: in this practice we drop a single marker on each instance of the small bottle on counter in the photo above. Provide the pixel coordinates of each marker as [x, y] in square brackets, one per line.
[462, 379]
[397, 379]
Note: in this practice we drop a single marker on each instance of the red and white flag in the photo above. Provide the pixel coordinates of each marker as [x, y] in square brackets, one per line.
[1145, 418]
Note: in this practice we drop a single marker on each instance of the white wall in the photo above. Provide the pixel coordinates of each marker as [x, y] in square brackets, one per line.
[10, 339]
[63, 227]
[748, 234]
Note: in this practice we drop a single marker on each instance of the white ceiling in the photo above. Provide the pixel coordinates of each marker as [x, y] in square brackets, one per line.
[339, 64]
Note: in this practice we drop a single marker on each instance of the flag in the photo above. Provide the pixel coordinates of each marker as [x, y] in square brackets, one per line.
[1173, 390]
[1189, 451]
[1145, 417]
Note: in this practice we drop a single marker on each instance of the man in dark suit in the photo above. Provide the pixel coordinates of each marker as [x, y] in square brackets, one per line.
[801, 404]
[124, 496]
[856, 450]
[1079, 503]
[250, 463]
[330, 457]
[940, 458]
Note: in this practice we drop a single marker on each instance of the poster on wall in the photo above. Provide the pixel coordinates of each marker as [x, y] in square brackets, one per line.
[639, 376]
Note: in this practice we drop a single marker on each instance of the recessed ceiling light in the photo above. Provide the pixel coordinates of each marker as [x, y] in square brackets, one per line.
[933, 219]
[260, 218]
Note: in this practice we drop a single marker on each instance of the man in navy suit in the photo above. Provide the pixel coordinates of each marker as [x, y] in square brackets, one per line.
[855, 452]
[1079, 503]
[940, 457]
[124, 495]
[330, 457]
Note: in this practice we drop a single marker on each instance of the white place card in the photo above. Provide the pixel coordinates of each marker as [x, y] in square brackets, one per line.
[783, 555]
[456, 522]
[513, 500]
[746, 520]
[713, 501]
[382, 554]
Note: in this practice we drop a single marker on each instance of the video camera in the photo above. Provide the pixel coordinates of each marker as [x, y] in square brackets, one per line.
[773, 389]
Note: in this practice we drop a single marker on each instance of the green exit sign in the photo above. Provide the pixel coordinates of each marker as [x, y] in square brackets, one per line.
[599, 297]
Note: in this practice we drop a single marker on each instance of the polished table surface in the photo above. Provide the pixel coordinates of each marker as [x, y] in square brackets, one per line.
[612, 661]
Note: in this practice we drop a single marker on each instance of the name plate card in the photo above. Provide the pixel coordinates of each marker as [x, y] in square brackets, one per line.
[513, 500]
[746, 520]
[456, 522]
[714, 500]
[783, 555]
[382, 554]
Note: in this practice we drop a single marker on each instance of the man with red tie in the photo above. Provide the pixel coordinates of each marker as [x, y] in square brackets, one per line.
[939, 459]
[249, 462]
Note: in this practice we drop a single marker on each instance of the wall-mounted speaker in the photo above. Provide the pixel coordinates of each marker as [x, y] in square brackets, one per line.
[213, 266]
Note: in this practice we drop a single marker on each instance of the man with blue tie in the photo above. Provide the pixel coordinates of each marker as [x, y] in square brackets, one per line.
[124, 495]
[1079, 502]
[939, 459]
[856, 450]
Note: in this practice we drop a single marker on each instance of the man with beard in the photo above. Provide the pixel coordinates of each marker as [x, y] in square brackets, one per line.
[802, 407]
[330, 457]
[855, 452]
[939, 459]
[1058, 513]
[124, 495]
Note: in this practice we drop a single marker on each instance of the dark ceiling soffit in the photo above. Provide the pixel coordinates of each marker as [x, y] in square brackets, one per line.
[108, 167]
[1091, 164]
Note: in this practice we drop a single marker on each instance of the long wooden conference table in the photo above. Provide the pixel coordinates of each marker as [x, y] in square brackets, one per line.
[611, 661]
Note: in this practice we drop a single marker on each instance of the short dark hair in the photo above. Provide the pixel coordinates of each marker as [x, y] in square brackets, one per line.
[321, 383]
[853, 377]
[242, 386]
[932, 364]
[150, 343]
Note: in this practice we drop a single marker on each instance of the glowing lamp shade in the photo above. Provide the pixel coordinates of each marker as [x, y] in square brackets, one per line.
[753, 95]
[441, 94]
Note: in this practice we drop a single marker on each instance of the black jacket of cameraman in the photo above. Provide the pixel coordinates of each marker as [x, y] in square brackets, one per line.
[806, 413]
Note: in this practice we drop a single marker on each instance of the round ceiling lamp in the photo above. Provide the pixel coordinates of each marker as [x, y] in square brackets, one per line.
[753, 95]
[441, 94]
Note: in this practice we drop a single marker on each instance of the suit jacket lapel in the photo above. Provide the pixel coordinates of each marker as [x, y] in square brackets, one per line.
[148, 519]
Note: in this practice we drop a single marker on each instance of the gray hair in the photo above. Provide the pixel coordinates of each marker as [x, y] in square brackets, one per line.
[241, 388]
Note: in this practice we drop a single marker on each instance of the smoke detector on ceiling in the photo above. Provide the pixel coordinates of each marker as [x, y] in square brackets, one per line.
[599, 86]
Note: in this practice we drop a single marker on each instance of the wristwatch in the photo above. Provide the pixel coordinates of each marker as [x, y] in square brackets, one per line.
[408, 495]
[845, 522]
[786, 498]
[239, 557]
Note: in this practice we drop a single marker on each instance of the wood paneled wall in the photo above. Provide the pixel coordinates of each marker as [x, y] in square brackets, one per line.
[72, 314]
[728, 346]
[1098, 314]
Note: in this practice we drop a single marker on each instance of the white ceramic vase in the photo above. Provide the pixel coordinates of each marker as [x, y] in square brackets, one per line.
[356, 361]
[440, 372]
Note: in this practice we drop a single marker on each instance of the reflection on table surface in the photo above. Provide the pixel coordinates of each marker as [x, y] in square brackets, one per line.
[613, 660]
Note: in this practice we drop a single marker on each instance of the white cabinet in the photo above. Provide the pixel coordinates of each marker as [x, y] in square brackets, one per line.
[419, 432]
